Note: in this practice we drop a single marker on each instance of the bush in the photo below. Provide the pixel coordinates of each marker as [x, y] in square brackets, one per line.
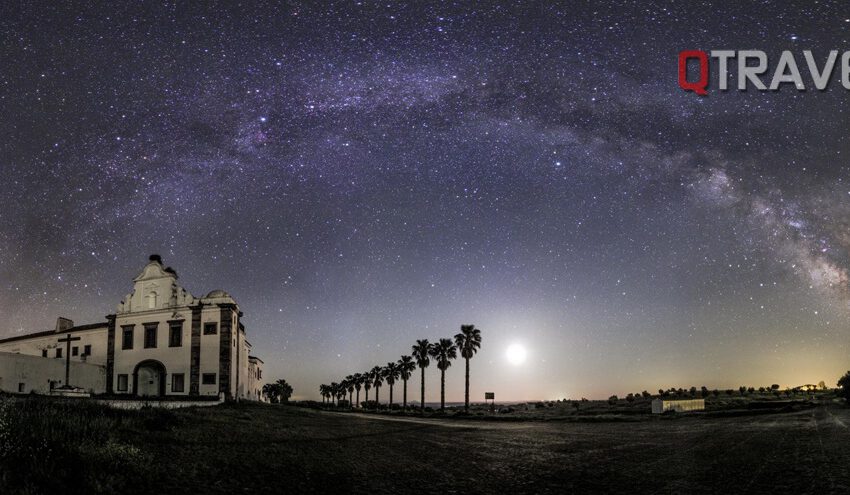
[844, 386]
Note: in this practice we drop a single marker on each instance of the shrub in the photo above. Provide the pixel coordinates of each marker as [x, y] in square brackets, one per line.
[844, 386]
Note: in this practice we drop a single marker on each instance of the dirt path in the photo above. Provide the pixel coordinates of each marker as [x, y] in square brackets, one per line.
[448, 423]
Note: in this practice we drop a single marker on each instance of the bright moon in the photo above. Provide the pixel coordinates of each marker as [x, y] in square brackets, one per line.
[516, 354]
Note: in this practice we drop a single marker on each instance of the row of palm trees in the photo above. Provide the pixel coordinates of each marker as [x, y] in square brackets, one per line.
[467, 342]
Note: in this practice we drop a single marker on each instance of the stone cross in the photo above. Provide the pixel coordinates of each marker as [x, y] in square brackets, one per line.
[68, 341]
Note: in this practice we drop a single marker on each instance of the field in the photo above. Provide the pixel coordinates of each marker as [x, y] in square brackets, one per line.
[71, 446]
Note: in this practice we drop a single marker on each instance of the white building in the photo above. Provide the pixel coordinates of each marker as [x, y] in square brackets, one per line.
[162, 341]
[684, 405]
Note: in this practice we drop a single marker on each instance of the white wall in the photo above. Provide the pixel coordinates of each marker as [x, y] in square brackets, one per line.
[33, 347]
[36, 373]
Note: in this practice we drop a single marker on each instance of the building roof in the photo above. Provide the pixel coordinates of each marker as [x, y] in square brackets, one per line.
[256, 359]
[47, 333]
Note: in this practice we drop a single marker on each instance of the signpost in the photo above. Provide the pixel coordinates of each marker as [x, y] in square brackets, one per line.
[491, 396]
[68, 341]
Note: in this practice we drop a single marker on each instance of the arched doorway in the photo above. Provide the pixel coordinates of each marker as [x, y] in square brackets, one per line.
[149, 379]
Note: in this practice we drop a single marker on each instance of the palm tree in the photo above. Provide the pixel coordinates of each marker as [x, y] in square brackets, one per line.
[377, 380]
[323, 391]
[349, 384]
[367, 384]
[391, 373]
[406, 367]
[421, 353]
[443, 352]
[468, 341]
[340, 392]
[358, 382]
[334, 387]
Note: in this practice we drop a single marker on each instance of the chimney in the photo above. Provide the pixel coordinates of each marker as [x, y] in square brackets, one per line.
[63, 324]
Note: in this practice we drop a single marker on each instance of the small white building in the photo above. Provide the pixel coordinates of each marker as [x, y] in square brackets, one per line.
[162, 341]
[663, 405]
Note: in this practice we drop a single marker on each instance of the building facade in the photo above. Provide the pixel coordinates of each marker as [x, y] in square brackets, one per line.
[162, 341]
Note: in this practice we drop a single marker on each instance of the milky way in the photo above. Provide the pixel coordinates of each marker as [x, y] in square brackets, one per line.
[360, 175]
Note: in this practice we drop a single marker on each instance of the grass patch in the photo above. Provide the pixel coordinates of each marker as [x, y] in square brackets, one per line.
[58, 446]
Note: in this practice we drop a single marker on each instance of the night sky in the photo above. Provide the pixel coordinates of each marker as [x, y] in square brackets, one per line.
[363, 174]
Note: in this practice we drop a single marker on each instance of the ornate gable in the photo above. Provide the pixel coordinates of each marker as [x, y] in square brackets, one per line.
[155, 288]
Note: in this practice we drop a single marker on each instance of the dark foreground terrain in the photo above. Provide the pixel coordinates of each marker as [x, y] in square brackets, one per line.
[69, 447]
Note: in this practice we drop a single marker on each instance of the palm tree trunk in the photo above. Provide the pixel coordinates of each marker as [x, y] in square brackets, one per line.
[391, 395]
[358, 398]
[442, 390]
[377, 397]
[422, 399]
[466, 403]
[404, 406]
[350, 396]
[367, 397]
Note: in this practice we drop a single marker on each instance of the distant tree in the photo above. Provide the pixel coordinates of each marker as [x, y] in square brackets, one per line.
[323, 391]
[358, 383]
[468, 341]
[351, 381]
[406, 367]
[577, 405]
[751, 390]
[333, 389]
[391, 373]
[693, 391]
[761, 390]
[367, 384]
[844, 386]
[821, 385]
[704, 391]
[730, 392]
[270, 391]
[630, 398]
[660, 392]
[743, 390]
[422, 354]
[774, 387]
[645, 394]
[377, 377]
[443, 352]
[278, 392]
[613, 400]
[341, 392]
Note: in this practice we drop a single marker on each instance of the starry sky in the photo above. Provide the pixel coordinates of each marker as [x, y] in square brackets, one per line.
[359, 175]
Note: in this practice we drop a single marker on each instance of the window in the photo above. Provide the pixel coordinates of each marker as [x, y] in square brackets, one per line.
[87, 350]
[208, 379]
[210, 328]
[152, 300]
[21, 387]
[75, 351]
[127, 337]
[177, 382]
[175, 335]
[44, 353]
[122, 383]
[59, 352]
[150, 335]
